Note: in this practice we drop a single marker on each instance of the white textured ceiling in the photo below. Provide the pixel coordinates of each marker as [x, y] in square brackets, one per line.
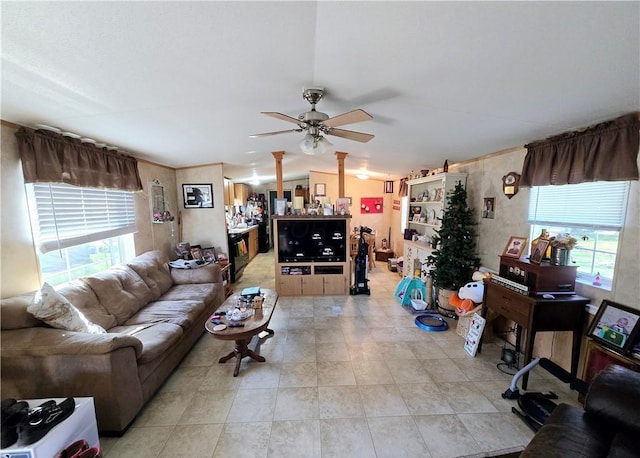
[183, 83]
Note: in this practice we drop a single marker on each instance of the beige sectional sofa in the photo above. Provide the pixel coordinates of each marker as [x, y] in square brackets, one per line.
[153, 315]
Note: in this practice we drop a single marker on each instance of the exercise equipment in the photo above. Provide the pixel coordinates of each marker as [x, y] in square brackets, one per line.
[535, 407]
[361, 265]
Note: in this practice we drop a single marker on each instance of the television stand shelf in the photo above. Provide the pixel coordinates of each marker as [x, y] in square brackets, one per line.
[312, 255]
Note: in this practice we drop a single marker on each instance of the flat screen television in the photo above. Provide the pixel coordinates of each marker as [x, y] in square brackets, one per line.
[312, 240]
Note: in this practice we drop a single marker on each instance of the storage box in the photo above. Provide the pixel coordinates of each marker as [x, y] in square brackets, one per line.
[80, 425]
[392, 264]
[383, 255]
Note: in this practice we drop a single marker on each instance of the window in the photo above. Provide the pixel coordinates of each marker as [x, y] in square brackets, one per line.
[79, 231]
[593, 213]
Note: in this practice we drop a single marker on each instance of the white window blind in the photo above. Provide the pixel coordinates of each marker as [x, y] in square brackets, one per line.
[69, 215]
[599, 204]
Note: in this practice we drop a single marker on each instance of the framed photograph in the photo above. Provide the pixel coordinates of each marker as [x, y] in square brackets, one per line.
[196, 252]
[388, 187]
[488, 208]
[320, 189]
[539, 251]
[342, 206]
[197, 195]
[615, 326]
[209, 254]
[515, 247]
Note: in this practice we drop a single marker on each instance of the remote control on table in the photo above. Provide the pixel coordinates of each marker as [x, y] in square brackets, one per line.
[236, 325]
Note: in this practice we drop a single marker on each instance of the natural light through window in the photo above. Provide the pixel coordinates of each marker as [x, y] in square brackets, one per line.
[594, 214]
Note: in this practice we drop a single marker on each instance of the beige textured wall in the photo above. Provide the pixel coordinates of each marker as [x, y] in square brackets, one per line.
[19, 265]
[156, 236]
[204, 226]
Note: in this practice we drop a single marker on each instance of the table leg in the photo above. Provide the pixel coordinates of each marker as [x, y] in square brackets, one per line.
[240, 351]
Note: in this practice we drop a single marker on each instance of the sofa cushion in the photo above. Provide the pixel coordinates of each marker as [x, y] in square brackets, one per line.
[156, 338]
[561, 441]
[120, 290]
[205, 292]
[85, 300]
[54, 309]
[182, 313]
[153, 268]
[14, 313]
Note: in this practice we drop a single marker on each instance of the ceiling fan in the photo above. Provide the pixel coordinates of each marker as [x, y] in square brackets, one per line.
[316, 123]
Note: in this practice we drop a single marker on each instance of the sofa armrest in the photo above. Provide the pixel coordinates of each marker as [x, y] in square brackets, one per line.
[210, 273]
[44, 341]
[615, 396]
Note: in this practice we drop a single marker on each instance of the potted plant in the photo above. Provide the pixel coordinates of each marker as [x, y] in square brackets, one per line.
[561, 245]
[454, 260]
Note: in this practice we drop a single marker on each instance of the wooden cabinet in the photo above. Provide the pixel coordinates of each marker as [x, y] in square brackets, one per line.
[428, 198]
[600, 357]
[229, 192]
[226, 279]
[241, 193]
[253, 243]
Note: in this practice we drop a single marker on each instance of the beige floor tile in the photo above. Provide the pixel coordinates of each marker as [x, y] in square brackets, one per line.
[185, 378]
[210, 406]
[372, 373]
[424, 399]
[496, 431]
[407, 371]
[346, 438]
[396, 437]
[295, 439]
[396, 351]
[220, 376]
[243, 440]
[382, 401]
[166, 409]
[465, 397]
[443, 370]
[297, 404]
[298, 375]
[332, 351]
[335, 373]
[144, 442]
[446, 436]
[253, 405]
[332, 335]
[192, 441]
[340, 402]
[305, 352]
[254, 374]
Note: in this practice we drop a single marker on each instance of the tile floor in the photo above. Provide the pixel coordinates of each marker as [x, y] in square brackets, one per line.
[362, 383]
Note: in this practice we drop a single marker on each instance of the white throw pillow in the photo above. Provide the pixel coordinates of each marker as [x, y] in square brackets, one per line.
[53, 308]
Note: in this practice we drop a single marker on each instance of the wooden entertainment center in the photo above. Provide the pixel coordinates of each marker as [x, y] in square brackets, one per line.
[312, 255]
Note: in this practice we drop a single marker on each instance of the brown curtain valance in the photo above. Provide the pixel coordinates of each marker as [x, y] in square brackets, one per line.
[604, 152]
[48, 157]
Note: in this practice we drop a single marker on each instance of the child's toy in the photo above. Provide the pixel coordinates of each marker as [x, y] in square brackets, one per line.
[468, 297]
[410, 289]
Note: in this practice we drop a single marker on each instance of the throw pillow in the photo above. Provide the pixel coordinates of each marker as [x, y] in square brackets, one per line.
[53, 308]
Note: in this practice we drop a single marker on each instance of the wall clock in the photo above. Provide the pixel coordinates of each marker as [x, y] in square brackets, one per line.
[510, 184]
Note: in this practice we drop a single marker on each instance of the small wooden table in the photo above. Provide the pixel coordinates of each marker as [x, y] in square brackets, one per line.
[253, 325]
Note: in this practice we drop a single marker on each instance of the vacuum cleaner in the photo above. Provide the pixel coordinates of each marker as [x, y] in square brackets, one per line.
[536, 407]
[361, 266]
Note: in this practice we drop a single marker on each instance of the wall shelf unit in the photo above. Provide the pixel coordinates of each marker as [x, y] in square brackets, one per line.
[427, 199]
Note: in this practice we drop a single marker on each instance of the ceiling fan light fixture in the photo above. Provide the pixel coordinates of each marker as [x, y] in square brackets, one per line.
[363, 174]
[314, 144]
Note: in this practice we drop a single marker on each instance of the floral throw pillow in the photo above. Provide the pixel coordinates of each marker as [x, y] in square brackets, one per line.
[54, 309]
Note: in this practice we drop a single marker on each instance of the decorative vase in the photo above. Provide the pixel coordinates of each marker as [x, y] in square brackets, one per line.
[559, 256]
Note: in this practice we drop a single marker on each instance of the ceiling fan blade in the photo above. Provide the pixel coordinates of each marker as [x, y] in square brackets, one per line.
[267, 134]
[348, 118]
[351, 135]
[281, 116]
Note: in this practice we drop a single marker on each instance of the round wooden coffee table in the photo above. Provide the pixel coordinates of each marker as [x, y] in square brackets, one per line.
[253, 325]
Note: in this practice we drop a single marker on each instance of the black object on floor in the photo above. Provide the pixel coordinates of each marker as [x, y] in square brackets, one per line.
[42, 419]
[361, 274]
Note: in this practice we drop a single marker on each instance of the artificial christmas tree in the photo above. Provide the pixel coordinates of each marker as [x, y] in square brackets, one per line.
[454, 260]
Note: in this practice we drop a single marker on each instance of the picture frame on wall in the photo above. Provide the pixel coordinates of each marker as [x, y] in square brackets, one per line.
[615, 326]
[197, 195]
[388, 187]
[515, 247]
[320, 189]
